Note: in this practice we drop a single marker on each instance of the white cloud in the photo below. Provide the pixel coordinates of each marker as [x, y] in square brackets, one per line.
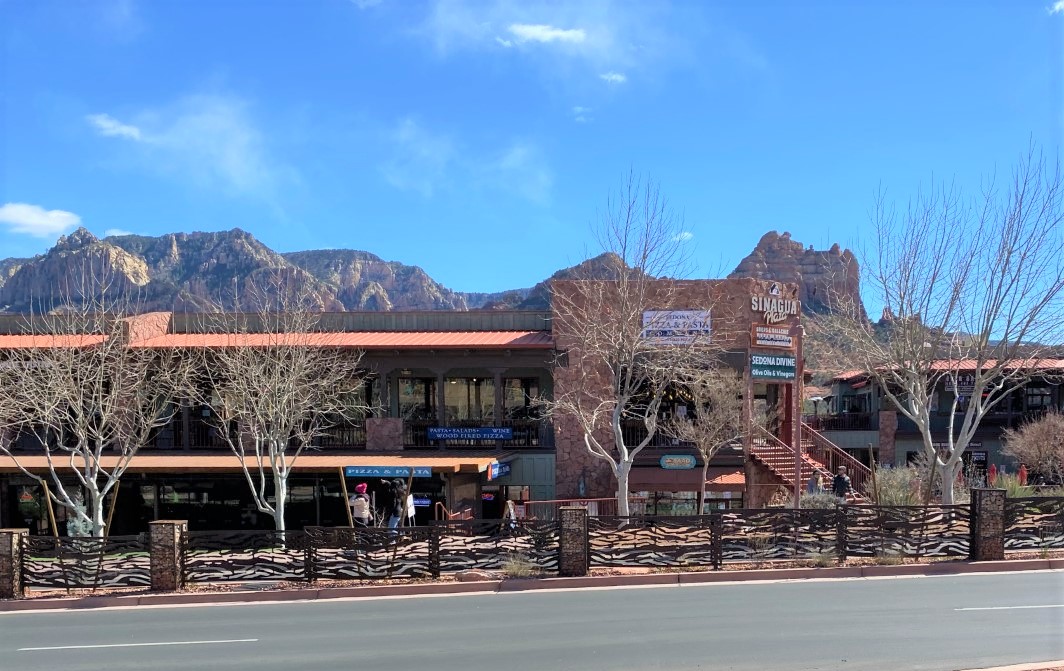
[116, 232]
[684, 236]
[613, 77]
[1057, 8]
[108, 126]
[210, 140]
[36, 221]
[505, 43]
[521, 169]
[581, 114]
[421, 160]
[366, 4]
[428, 162]
[540, 32]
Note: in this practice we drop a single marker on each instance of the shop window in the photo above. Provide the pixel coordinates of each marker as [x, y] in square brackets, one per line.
[417, 398]
[469, 399]
[1038, 398]
[519, 398]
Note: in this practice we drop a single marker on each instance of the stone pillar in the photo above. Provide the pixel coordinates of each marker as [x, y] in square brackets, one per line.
[888, 428]
[987, 525]
[167, 544]
[384, 434]
[572, 541]
[11, 563]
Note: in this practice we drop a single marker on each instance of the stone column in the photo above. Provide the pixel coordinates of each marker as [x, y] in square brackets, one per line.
[888, 429]
[11, 563]
[572, 541]
[987, 525]
[167, 544]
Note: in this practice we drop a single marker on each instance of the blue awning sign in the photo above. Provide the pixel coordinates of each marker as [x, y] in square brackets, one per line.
[387, 471]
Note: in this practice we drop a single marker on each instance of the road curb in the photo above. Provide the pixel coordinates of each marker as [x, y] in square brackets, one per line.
[529, 584]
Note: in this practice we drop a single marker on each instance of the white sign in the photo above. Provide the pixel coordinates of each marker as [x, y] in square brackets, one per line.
[676, 327]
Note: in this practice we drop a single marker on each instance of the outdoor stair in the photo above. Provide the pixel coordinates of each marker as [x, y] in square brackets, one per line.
[819, 455]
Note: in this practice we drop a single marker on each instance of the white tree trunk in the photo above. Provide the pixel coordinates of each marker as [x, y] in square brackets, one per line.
[280, 485]
[623, 469]
[949, 479]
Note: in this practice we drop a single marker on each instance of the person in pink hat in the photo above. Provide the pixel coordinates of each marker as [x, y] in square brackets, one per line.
[361, 510]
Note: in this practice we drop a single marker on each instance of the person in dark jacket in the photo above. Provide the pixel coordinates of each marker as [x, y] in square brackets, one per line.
[397, 505]
[840, 485]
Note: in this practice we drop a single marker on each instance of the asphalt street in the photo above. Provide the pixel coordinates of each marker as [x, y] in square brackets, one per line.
[940, 623]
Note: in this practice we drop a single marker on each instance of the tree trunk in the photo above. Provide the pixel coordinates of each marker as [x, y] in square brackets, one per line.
[622, 489]
[280, 488]
[94, 511]
[949, 480]
[699, 507]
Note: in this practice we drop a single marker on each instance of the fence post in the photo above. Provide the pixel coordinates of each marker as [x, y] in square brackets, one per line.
[434, 550]
[840, 534]
[716, 539]
[987, 525]
[572, 541]
[167, 542]
[11, 563]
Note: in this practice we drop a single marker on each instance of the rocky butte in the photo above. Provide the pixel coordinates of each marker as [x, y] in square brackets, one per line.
[823, 276]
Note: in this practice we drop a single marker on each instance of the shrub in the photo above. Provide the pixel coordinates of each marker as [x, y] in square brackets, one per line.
[820, 500]
[519, 566]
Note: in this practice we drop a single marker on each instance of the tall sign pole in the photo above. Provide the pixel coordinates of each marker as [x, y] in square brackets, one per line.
[796, 413]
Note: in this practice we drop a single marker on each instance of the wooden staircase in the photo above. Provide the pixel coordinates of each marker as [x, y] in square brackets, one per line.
[819, 455]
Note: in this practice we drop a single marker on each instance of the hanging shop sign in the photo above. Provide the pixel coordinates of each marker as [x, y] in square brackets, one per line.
[470, 433]
[773, 307]
[677, 462]
[676, 327]
[773, 366]
[387, 471]
[965, 384]
[499, 470]
[777, 337]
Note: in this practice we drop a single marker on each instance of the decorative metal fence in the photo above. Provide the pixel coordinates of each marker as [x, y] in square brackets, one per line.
[239, 556]
[759, 535]
[1034, 523]
[86, 563]
[371, 553]
[906, 531]
[491, 544]
[653, 541]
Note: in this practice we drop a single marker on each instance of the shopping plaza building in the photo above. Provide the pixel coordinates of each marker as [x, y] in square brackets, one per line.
[455, 398]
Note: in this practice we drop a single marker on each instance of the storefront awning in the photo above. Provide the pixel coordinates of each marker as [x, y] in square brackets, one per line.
[228, 463]
[718, 479]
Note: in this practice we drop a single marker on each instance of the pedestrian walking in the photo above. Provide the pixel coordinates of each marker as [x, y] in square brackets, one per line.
[816, 483]
[840, 485]
[397, 504]
[361, 509]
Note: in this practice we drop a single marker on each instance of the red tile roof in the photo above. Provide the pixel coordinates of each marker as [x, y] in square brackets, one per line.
[228, 463]
[363, 340]
[49, 341]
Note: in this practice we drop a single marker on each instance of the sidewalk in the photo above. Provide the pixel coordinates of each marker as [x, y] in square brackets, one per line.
[526, 584]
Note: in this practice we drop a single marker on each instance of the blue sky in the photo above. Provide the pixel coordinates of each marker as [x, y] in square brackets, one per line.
[479, 139]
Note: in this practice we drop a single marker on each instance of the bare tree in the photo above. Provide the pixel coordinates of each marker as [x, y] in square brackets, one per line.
[715, 398]
[274, 383]
[971, 291]
[1040, 445]
[618, 358]
[87, 394]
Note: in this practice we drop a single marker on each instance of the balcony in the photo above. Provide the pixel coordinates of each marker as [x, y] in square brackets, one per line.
[847, 421]
[527, 433]
[635, 431]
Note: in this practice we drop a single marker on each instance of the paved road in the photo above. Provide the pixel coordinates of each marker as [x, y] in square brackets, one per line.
[853, 625]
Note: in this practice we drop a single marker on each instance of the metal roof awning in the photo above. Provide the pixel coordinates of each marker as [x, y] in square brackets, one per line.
[228, 463]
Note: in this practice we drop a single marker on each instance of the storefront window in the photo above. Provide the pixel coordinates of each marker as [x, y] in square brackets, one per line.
[417, 398]
[519, 397]
[1038, 398]
[469, 399]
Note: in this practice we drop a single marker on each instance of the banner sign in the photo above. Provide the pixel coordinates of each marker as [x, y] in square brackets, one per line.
[677, 462]
[965, 384]
[773, 366]
[470, 433]
[675, 327]
[777, 337]
[386, 471]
